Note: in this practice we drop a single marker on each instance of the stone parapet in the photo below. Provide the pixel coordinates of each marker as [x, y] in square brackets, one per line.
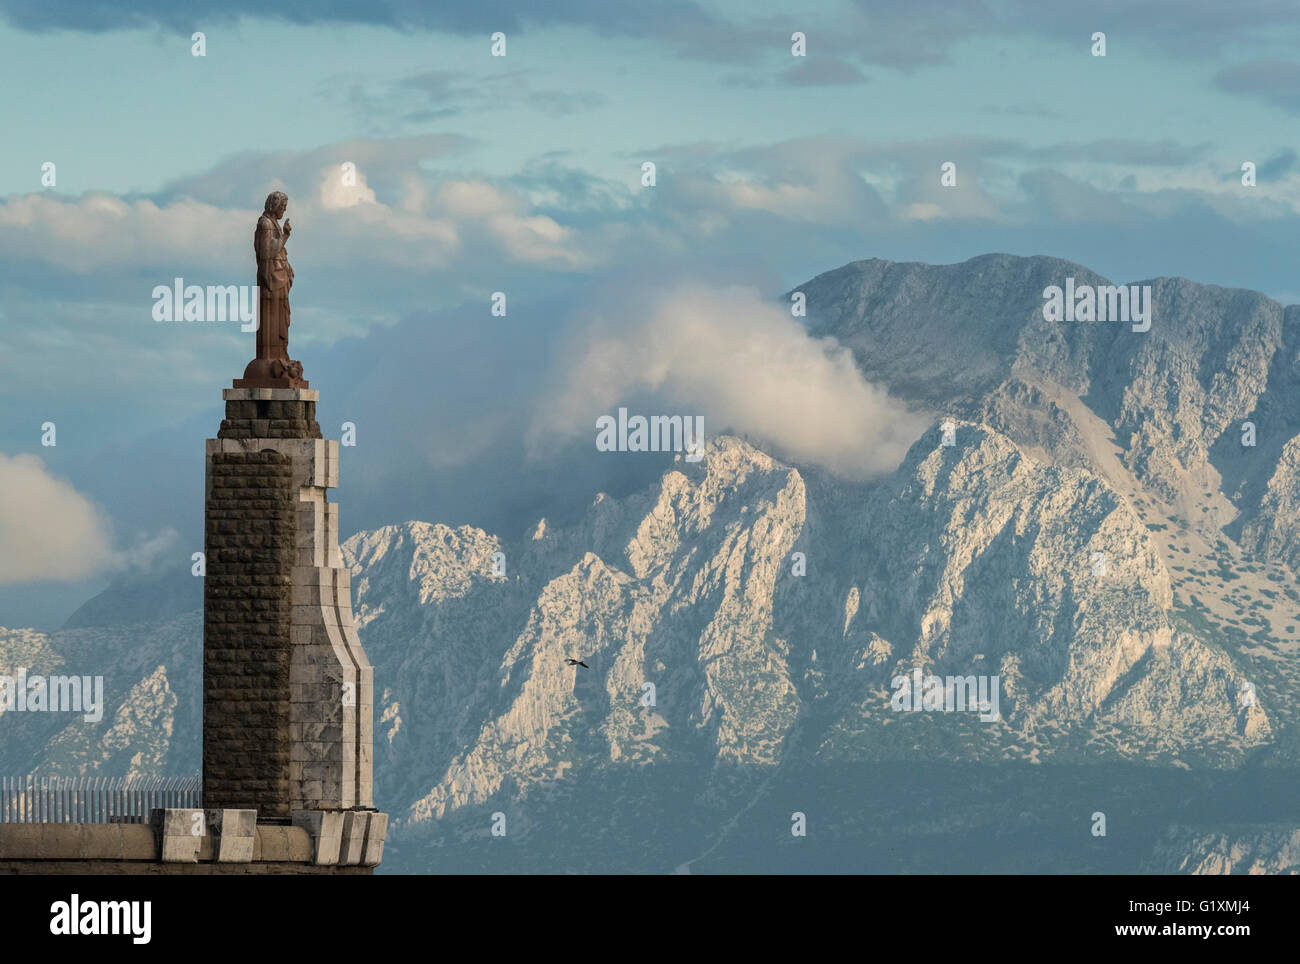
[131, 847]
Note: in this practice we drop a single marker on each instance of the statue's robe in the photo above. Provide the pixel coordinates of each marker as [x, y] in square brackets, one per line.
[274, 279]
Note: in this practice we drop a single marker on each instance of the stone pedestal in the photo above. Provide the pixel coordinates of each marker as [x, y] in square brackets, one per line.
[287, 701]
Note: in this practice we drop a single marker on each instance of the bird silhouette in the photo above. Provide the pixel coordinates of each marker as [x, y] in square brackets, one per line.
[577, 662]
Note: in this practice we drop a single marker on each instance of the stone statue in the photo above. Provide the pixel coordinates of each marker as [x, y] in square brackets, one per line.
[273, 368]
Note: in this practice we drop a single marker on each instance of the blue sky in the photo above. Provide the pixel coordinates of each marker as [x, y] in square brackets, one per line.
[522, 174]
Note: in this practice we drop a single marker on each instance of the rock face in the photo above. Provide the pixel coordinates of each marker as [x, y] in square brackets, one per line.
[1236, 850]
[972, 338]
[704, 646]
[1193, 424]
[152, 700]
[1080, 527]
[1274, 531]
[988, 561]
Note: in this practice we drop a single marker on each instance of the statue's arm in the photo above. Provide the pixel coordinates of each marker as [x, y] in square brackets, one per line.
[268, 245]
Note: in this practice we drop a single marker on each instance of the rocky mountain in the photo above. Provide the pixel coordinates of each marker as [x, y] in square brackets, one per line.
[1192, 422]
[1230, 850]
[710, 653]
[1081, 528]
[152, 699]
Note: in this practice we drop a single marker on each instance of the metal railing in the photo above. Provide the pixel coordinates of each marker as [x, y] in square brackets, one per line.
[33, 799]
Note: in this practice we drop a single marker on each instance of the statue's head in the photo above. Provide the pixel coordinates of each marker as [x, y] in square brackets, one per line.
[276, 203]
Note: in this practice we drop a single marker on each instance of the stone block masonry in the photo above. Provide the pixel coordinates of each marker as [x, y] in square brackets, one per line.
[250, 538]
[282, 661]
[253, 417]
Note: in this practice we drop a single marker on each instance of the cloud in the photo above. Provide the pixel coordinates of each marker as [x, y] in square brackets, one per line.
[534, 239]
[823, 72]
[904, 35]
[345, 192]
[804, 72]
[436, 94]
[1275, 82]
[79, 271]
[377, 214]
[412, 236]
[51, 532]
[48, 530]
[245, 178]
[743, 363]
[1178, 28]
[1066, 198]
[399, 222]
[1279, 164]
[814, 180]
[92, 261]
[146, 550]
[402, 15]
[1126, 152]
[99, 230]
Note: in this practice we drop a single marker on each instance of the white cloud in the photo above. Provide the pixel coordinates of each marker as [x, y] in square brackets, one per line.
[744, 364]
[798, 202]
[51, 532]
[338, 226]
[923, 211]
[97, 231]
[498, 218]
[471, 199]
[48, 530]
[146, 550]
[336, 192]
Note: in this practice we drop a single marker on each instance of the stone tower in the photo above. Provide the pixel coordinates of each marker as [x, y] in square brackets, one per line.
[287, 689]
[287, 704]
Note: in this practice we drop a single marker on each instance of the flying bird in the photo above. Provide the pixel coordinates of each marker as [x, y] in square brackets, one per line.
[577, 662]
